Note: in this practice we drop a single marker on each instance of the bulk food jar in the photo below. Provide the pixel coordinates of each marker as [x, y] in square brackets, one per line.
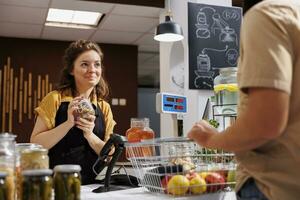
[140, 130]
[67, 182]
[225, 88]
[36, 184]
[7, 161]
[20, 147]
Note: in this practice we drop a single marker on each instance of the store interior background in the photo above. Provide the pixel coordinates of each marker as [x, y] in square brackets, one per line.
[134, 62]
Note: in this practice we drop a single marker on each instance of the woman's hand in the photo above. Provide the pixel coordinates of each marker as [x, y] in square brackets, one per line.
[73, 106]
[202, 132]
[86, 124]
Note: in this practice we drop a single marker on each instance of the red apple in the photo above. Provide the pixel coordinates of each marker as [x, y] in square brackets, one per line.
[191, 175]
[215, 182]
[164, 183]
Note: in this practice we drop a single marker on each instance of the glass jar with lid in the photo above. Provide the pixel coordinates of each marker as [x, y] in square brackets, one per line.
[20, 147]
[36, 158]
[7, 161]
[67, 182]
[226, 90]
[139, 130]
[36, 184]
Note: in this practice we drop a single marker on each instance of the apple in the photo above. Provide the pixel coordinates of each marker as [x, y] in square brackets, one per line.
[191, 175]
[215, 182]
[197, 185]
[164, 183]
[224, 173]
[178, 185]
[203, 174]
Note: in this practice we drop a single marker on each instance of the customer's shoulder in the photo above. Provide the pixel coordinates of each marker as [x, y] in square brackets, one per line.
[278, 8]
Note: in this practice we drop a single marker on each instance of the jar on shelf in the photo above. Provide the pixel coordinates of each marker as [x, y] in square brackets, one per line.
[226, 90]
[139, 130]
[36, 184]
[7, 161]
[67, 182]
[20, 147]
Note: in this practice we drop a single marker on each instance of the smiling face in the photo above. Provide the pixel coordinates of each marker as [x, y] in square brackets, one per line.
[87, 70]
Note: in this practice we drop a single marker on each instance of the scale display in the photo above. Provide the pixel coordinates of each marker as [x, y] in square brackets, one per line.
[170, 103]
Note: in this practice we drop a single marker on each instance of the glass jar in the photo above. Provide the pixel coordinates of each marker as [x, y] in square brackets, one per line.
[67, 182]
[36, 158]
[7, 161]
[20, 147]
[3, 186]
[139, 130]
[36, 184]
[226, 90]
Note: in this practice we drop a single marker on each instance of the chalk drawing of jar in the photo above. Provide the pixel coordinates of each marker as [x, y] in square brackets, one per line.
[228, 35]
[232, 56]
[203, 63]
[202, 26]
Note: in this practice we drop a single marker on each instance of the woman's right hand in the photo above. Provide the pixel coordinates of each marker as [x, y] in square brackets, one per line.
[73, 106]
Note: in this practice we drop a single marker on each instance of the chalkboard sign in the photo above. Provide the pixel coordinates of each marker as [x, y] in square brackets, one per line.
[214, 33]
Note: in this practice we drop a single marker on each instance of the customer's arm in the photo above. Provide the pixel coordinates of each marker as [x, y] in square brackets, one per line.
[264, 119]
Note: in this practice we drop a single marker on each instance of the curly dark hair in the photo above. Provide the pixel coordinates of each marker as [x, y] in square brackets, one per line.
[67, 81]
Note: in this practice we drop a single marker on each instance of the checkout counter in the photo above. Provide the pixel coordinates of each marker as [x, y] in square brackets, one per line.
[141, 193]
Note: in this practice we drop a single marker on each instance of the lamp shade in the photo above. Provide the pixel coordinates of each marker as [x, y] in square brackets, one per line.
[168, 31]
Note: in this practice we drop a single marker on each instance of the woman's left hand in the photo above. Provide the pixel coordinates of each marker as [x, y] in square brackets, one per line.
[86, 125]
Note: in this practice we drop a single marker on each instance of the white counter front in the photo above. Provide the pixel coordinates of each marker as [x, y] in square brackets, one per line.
[142, 194]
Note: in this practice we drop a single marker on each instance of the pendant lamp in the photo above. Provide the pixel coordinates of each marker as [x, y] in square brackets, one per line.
[168, 31]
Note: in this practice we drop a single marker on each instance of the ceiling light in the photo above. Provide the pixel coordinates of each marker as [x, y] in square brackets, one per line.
[168, 31]
[72, 18]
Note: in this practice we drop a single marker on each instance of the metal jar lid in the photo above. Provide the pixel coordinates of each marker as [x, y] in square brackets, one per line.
[7, 136]
[67, 168]
[37, 172]
[23, 146]
[35, 150]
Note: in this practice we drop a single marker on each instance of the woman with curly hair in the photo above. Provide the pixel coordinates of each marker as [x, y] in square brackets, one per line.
[76, 140]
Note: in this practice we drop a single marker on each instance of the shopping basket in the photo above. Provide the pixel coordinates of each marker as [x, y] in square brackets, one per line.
[178, 166]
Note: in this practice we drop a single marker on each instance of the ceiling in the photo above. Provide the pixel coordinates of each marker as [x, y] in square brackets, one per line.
[122, 24]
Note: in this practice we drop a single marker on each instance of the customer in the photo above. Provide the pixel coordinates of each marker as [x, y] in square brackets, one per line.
[266, 135]
[77, 141]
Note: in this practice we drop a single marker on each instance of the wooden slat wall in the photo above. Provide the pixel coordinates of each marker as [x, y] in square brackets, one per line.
[36, 65]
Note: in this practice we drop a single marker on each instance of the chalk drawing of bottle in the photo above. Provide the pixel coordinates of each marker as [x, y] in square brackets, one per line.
[218, 23]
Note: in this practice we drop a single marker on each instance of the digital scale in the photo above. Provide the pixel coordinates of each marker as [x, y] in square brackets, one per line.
[172, 104]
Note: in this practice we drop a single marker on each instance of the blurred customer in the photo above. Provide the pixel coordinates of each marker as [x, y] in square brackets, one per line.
[266, 134]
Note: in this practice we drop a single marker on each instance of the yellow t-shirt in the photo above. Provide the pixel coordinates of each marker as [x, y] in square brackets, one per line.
[270, 58]
[50, 104]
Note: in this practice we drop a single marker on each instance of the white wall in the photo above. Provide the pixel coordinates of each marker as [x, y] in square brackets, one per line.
[146, 107]
[168, 54]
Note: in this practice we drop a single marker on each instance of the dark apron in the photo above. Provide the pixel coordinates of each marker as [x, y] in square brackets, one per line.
[73, 148]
